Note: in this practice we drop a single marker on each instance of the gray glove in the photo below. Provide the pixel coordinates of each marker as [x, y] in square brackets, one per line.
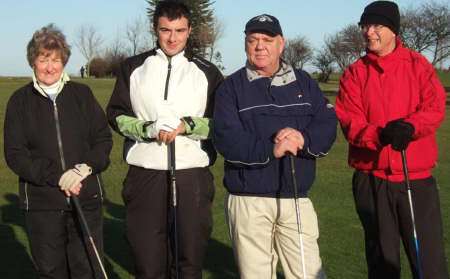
[74, 176]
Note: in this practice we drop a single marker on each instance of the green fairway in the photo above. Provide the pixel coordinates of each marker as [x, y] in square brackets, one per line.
[341, 235]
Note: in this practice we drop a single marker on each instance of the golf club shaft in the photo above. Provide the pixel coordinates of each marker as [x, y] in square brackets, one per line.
[173, 184]
[411, 208]
[297, 212]
[84, 225]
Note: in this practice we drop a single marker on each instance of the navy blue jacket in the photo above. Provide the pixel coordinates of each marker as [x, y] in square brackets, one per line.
[250, 110]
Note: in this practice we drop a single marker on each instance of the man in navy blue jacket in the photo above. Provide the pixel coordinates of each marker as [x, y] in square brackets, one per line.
[264, 113]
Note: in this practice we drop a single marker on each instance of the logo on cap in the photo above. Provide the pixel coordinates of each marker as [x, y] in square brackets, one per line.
[263, 18]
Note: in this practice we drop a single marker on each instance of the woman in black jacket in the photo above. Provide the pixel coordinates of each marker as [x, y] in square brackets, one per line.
[58, 142]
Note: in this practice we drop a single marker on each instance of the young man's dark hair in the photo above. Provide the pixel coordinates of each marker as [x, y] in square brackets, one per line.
[172, 10]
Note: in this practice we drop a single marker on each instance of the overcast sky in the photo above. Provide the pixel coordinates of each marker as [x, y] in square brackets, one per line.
[20, 18]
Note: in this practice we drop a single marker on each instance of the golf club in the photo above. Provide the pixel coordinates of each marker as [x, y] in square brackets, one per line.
[173, 184]
[87, 231]
[297, 213]
[408, 186]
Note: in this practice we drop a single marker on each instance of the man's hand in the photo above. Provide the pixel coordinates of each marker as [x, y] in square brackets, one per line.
[73, 177]
[397, 133]
[291, 134]
[285, 146]
[75, 190]
[164, 124]
[167, 137]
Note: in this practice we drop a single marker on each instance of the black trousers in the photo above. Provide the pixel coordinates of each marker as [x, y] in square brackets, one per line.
[149, 220]
[384, 211]
[58, 247]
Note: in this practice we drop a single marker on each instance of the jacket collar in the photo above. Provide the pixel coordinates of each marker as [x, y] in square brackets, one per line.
[60, 84]
[177, 58]
[283, 76]
[384, 63]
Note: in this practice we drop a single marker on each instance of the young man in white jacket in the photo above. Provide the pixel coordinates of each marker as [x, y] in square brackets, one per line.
[161, 98]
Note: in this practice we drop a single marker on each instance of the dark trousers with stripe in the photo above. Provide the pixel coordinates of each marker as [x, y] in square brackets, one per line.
[58, 247]
[384, 211]
[149, 220]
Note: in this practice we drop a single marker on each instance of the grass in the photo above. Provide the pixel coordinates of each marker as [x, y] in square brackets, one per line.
[341, 240]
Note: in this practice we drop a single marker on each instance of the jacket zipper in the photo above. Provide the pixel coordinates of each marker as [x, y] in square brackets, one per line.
[58, 135]
[169, 69]
[99, 187]
[59, 138]
[27, 207]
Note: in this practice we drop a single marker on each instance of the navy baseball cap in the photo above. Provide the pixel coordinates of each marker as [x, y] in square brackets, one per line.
[264, 23]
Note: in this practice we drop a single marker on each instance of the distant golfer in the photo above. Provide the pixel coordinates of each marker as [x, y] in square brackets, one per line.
[82, 71]
[391, 100]
[57, 141]
[264, 113]
[162, 96]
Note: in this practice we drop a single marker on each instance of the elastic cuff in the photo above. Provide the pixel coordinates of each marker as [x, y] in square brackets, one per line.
[189, 124]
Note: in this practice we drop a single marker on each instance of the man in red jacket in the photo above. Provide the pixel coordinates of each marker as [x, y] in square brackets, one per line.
[391, 100]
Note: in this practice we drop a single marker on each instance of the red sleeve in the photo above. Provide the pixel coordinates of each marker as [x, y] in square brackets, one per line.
[431, 110]
[350, 112]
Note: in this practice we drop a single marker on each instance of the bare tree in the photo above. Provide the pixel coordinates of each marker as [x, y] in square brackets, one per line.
[439, 16]
[138, 36]
[298, 51]
[88, 42]
[414, 30]
[114, 55]
[427, 30]
[323, 61]
[346, 46]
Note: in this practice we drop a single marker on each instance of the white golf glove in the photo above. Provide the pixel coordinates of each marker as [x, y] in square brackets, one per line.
[167, 124]
[74, 176]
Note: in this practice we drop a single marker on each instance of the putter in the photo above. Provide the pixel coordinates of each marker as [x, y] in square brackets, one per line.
[408, 186]
[84, 226]
[297, 213]
[173, 184]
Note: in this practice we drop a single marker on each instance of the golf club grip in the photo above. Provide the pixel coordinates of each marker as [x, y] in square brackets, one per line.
[172, 156]
[84, 225]
[294, 177]
[405, 168]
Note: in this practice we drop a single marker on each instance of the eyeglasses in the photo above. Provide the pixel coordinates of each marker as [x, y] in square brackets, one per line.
[366, 27]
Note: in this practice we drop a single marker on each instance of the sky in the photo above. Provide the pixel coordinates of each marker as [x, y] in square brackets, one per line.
[19, 19]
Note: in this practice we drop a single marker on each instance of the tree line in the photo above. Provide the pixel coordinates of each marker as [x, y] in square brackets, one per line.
[425, 29]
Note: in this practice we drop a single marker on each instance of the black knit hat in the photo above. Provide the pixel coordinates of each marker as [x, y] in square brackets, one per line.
[264, 23]
[382, 12]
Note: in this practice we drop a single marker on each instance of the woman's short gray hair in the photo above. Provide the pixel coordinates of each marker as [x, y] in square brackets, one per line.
[50, 38]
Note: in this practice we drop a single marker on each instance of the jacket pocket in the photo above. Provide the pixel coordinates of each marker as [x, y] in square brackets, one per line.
[91, 193]
[100, 186]
[137, 180]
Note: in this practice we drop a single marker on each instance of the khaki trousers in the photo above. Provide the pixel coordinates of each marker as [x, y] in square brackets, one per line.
[263, 230]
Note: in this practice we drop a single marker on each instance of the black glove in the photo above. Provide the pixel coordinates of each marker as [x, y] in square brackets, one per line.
[398, 133]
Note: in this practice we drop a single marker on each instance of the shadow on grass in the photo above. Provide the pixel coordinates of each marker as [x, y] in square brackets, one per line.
[114, 238]
[15, 261]
[219, 260]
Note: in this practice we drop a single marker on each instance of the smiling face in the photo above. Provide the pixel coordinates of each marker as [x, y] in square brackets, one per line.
[264, 52]
[173, 34]
[48, 66]
[379, 38]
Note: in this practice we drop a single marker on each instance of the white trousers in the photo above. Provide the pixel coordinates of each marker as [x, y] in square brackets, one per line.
[263, 230]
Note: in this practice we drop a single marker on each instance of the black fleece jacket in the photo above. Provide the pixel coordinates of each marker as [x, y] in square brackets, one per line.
[33, 151]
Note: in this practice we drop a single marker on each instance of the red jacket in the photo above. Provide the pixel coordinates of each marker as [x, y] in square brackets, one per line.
[375, 90]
